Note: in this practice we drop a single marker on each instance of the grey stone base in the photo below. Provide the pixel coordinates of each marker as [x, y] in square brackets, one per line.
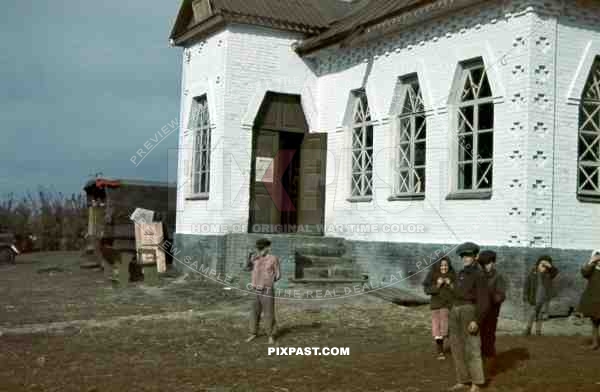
[404, 265]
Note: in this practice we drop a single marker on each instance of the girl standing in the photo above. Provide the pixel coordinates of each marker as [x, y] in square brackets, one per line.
[590, 300]
[439, 284]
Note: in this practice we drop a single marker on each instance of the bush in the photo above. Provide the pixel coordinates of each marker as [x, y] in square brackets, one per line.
[47, 222]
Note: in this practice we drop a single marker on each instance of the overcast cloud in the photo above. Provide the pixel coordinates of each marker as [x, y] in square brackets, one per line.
[83, 85]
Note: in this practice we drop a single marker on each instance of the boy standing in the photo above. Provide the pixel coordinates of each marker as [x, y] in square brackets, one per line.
[470, 306]
[538, 291]
[496, 285]
[265, 272]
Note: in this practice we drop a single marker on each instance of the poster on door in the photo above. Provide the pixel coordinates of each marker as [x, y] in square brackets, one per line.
[264, 169]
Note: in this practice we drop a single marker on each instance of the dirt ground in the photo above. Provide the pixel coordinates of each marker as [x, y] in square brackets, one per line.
[68, 329]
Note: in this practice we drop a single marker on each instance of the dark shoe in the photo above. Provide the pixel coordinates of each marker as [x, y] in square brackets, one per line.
[538, 332]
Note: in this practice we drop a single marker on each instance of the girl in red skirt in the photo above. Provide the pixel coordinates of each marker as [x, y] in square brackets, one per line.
[439, 284]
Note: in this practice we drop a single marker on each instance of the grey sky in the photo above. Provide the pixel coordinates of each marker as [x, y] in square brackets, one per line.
[83, 85]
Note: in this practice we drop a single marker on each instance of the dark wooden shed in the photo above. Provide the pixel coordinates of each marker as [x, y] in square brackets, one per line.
[112, 201]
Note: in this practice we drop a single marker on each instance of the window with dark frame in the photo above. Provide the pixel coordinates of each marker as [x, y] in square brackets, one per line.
[200, 126]
[411, 147]
[362, 146]
[588, 183]
[475, 129]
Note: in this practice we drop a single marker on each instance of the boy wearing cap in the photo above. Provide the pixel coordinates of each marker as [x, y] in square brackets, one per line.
[470, 306]
[496, 285]
[265, 272]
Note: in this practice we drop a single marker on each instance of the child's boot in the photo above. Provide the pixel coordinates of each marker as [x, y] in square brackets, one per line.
[440, 348]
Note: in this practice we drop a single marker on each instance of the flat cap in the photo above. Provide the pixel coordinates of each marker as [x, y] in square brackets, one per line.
[467, 249]
[262, 243]
[486, 257]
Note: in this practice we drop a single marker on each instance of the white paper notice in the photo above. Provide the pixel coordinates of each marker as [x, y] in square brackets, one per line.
[264, 169]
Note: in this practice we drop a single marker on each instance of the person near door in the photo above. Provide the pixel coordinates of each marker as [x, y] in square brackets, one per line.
[265, 272]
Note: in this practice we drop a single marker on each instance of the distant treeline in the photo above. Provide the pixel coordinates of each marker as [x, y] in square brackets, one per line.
[45, 221]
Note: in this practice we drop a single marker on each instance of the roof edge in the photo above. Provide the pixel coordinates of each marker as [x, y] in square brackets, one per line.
[407, 17]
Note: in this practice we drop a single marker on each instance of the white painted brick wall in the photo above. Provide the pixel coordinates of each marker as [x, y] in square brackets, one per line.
[575, 224]
[518, 43]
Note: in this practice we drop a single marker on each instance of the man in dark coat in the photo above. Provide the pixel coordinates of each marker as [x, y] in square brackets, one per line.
[470, 307]
[538, 291]
[589, 305]
[497, 294]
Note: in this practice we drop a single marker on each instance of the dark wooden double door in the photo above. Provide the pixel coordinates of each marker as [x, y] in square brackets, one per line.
[287, 190]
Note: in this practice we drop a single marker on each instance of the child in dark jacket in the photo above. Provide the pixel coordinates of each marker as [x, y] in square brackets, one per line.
[589, 305]
[497, 292]
[438, 284]
[538, 291]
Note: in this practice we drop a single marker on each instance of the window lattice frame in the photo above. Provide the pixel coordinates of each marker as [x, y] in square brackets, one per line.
[473, 127]
[588, 157]
[200, 126]
[412, 133]
[362, 147]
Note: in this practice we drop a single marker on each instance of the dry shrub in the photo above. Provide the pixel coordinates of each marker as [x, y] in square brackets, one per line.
[46, 221]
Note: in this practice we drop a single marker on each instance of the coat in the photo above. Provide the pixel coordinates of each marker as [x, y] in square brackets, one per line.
[531, 282]
[441, 297]
[497, 286]
[589, 304]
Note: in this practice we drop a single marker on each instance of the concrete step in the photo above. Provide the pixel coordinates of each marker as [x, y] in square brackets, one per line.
[330, 248]
[316, 273]
[325, 261]
[328, 281]
[333, 272]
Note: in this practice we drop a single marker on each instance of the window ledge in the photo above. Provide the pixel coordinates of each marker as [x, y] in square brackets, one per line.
[198, 197]
[360, 199]
[475, 195]
[588, 199]
[415, 196]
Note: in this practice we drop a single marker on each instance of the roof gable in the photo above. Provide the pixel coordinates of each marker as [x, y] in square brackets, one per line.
[307, 16]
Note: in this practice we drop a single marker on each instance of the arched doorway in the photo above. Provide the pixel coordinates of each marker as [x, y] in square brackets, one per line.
[287, 187]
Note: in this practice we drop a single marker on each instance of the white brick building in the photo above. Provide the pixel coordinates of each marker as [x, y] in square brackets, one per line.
[529, 123]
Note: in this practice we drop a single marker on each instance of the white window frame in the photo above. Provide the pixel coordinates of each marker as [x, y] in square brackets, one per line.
[589, 126]
[407, 114]
[361, 154]
[477, 185]
[200, 126]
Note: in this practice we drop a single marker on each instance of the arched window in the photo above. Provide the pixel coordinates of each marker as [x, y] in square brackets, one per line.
[475, 129]
[200, 126]
[588, 183]
[362, 146]
[410, 161]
